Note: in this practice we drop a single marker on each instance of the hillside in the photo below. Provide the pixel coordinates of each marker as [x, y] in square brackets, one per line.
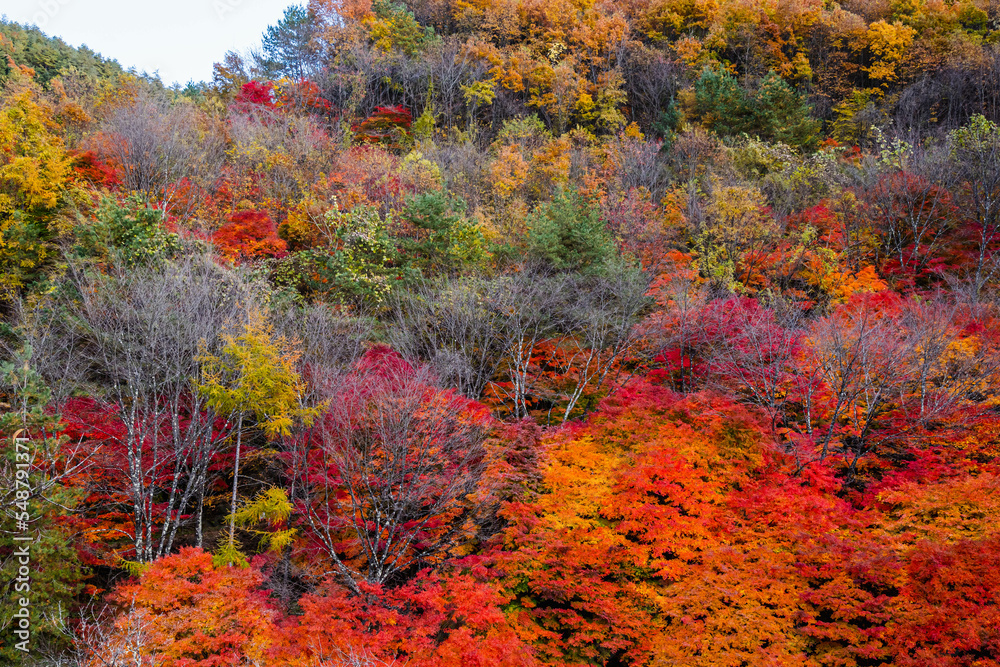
[508, 332]
[49, 57]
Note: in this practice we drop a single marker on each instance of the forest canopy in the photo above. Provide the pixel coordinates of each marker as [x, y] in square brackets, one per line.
[508, 333]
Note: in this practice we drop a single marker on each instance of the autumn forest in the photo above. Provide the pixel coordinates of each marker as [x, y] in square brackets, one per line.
[508, 333]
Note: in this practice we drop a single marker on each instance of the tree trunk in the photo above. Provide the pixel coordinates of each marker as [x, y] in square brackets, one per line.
[236, 481]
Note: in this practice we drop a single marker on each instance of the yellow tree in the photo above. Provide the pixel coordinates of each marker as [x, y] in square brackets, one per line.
[730, 244]
[255, 373]
[34, 174]
[888, 44]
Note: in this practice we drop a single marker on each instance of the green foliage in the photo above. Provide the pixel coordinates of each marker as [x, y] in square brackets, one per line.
[363, 265]
[130, 234]
[973, 18]
[57, 577]
[444, 241]
[568, 234]
[774, 111]
[856, 116]
[394, 27]
[230, 553]
[285, 277]
[132, 567]
[25, 244]
[976, 137]
[56, 573]
[668, 121]
[287, 47]
[525, 130]
[755, 159]
[27, 396]
[656, 529]
[791, 181]
[780, 114]
[423, 126]
[50, 57]
[891, 153]
[720, 103]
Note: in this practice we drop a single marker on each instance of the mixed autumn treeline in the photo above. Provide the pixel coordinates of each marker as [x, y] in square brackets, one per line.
[509, 332]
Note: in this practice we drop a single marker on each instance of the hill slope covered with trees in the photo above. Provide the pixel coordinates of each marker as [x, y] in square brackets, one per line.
[508, 332]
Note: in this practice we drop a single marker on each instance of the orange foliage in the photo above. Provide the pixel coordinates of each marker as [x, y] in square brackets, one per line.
[249, 235]
[188, 613]
[619, 518]
[448, 620]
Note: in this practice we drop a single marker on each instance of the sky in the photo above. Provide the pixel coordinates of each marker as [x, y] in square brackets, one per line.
[180, 39]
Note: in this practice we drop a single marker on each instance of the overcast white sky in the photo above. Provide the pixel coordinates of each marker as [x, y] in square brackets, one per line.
[179, 38]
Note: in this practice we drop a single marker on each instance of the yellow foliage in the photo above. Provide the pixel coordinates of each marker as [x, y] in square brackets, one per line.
[888, 43]
[34, 166]
[689, 50]
[736, 231]
[552, 161]
[272, 507]
[419, 172]
[632, 131]
[480, 92]
[509, 171]
[256, 373]
[299, 229]
[600, 107]
[35, 172]
[555, 90]
[506, 221]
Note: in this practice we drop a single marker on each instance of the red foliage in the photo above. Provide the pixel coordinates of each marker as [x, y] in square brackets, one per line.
[89, 166]
[949, 611]
[819, 217]
[256, 94]
[916, 221]
[249, 235]
[385, 126]
[392, 472]
[446, 620]
[304, 95]
[229, 193]
[105, 519]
